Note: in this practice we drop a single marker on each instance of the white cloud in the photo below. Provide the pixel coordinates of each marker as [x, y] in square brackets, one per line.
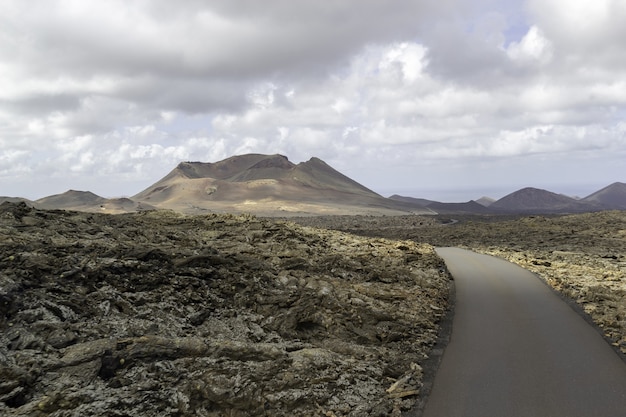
[14, 162]
[585, 34]
[410, 59]
[124, 91]
[533, 48]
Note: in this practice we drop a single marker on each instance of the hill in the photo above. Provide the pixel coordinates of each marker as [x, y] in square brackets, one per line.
[71, 200]
[436, 207]
[535, 200]
[88, 201]
[610, 197]
[486, 201]
[529, 200]
[266, 185]
[419, 202]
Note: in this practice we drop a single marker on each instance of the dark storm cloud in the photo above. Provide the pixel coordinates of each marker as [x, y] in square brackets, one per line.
[35, 104]
[218, 38]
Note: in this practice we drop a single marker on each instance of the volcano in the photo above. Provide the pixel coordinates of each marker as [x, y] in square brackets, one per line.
[266, 185]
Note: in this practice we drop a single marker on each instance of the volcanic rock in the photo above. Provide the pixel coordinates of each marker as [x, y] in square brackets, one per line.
[157, 313]
[583, 256]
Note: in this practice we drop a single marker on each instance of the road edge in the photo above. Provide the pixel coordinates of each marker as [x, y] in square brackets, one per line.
[431, 365]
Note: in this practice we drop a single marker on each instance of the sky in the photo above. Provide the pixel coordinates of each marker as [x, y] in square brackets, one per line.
[442, 99]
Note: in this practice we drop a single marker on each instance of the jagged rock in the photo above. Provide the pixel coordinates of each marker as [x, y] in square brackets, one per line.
[161, 314]
[583, 256]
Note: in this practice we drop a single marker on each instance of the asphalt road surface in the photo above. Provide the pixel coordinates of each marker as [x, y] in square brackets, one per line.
[517, 349]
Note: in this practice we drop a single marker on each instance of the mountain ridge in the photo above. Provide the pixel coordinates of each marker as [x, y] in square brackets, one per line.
[271, 185]
[530, 199]
[267, 185]
[611, 196]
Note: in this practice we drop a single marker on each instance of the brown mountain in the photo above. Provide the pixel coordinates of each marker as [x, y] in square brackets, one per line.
[88, 201]
[266, 185]
[535, 200]
[71, 200]
[610, 197]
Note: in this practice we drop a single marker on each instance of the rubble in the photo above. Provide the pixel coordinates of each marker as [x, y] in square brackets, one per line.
[583, 256]
[160, 314]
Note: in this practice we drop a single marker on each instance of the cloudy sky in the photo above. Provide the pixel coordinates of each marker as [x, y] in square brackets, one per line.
[441, 99]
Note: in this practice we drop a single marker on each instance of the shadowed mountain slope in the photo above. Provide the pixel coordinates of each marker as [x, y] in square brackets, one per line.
[536, 200]
[445, 208]
[612, 196]
[530, 200]
[420, 202]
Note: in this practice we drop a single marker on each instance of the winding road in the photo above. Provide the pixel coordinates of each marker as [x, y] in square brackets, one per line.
[517, 349]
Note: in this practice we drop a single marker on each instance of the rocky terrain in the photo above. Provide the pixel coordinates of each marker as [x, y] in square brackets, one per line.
[160, 314]
[589, 267]
[583, 256]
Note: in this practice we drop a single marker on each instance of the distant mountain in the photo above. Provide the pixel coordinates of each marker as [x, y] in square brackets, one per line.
[123, 205]
[420, 202]
[470, 207]
[88, 201]
[535, 200]
[530, 200]
[266, 185]
[610, 197]
[271, 185]
[486, 201]
[71, 200]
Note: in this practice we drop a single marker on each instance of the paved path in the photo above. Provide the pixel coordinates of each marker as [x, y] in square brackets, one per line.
[517, 349]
